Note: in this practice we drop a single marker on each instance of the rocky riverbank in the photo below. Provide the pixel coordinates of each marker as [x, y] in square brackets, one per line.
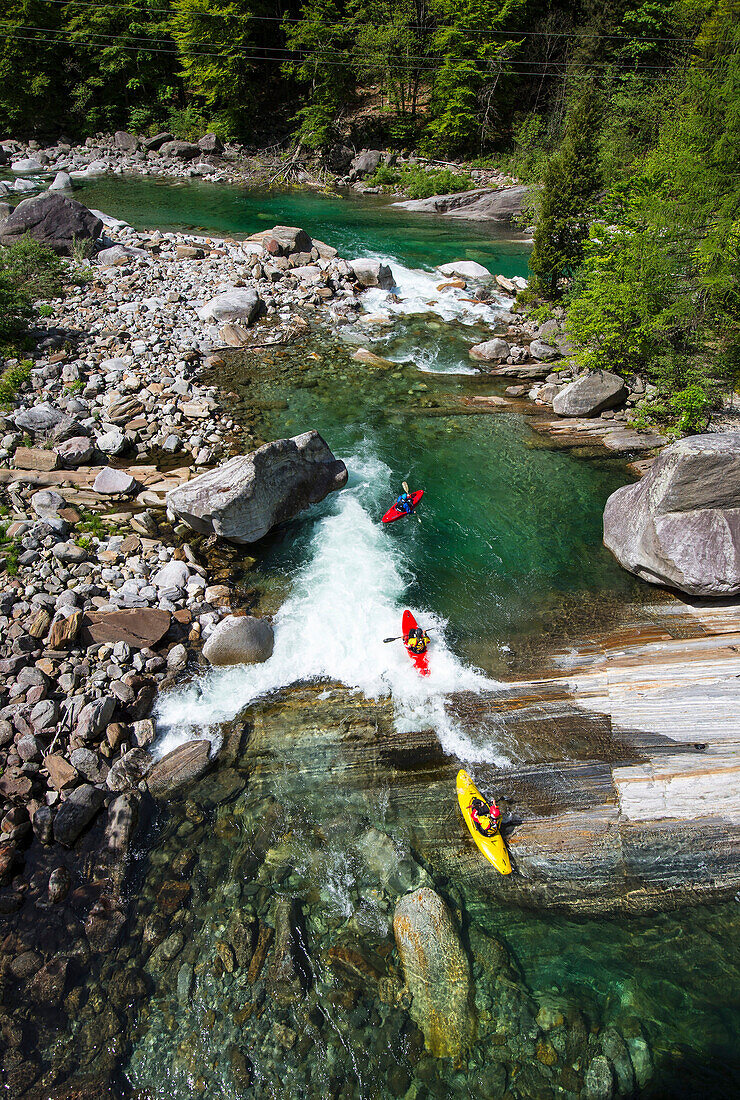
[163, 155]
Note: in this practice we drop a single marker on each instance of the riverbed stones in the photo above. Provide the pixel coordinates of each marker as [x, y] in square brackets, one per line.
[680, 525]
[590, 394]
[246, 497]
[76, 813]
[437, 972]
[179, 768]
[53, 219]
[240, 640]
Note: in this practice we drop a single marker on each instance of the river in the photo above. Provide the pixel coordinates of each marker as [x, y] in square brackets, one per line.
[504, 558]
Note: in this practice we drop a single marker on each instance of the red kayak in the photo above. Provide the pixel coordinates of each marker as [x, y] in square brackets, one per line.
[394, 513]
[408, 623]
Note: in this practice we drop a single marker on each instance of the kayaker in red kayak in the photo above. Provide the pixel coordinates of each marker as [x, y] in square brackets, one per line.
[417, 640]
[404, 503]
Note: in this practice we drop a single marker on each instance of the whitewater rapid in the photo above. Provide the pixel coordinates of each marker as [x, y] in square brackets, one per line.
[347, 597]
[417, 291]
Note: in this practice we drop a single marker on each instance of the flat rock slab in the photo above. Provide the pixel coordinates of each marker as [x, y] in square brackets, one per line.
[480, 203]
[140, 627]
[179, 768]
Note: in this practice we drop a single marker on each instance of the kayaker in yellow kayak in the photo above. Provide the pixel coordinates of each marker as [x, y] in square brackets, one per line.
[485, 818]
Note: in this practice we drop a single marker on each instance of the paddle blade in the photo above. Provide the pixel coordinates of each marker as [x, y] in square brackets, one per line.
[405, 487]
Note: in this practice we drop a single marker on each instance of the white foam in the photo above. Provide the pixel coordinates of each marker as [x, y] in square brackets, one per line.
[417, 293]
[347, 597]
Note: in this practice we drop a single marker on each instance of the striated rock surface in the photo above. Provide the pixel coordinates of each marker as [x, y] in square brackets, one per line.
[246, 497]
[240, 640]
[174, 771]
[588, 395]
[437, 972]
[680, 525]
[480, 203]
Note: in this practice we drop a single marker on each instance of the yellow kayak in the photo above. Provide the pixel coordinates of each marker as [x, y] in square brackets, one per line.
[492, 847]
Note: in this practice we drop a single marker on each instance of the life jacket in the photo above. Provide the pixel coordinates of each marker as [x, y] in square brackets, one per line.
[416, 640]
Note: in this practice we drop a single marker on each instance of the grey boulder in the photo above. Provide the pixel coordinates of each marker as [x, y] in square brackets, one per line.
[242, 640]
[40, 418]
[211, 144]
[465, 269]
[490, 351]
[590, 394]
[127, 143]
[538, 349]
[239, 304]
[243, 499]
[76, 451]
[680, 525]
[62, 182]
[183, 150]
[28, 164]
[158, 140]
[54, 220]
[503, 205]
[365, 163]
[373, 273]
[110, 482]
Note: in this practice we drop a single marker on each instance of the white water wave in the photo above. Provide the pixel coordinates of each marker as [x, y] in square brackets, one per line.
[347, 597]
[417, 293]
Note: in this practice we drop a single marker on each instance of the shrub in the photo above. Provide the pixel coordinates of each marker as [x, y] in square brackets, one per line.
[28, 271]
[11, 381]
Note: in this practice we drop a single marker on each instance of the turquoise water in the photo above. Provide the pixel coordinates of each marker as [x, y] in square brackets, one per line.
[355, 225]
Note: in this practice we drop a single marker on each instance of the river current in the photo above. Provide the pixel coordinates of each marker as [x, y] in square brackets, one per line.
[505, 555]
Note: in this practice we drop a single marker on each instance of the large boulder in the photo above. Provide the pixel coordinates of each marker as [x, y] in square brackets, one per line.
[373, 273]
[243, 499]
[127, 143]
[183, 150]
[365, 163]
[503, 205]
[465, 269]
[138, 627]
[680, 525]
[590, 394]
[158, 140]
[55, 220]
[240, 640]
[211, 144]
[490, 351]
[286, 240]
[76, 813]
[240, 304]
[437, 972]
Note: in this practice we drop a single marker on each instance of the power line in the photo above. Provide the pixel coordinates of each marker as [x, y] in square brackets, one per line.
[382, 26]
[546, 71]
[283, 54]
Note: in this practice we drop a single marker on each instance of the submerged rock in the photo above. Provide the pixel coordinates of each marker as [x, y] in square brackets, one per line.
[680, 525]
[286, 976]
[246, 497]
[242, 640]
[437, 972]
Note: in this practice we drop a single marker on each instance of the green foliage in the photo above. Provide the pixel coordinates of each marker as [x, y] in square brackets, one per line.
[91, 523]
[11, 381]
[570, 182]
[27, 271]
[421, 183]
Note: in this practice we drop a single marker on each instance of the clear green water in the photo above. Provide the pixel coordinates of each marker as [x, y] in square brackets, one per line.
[355, 225]
[509, 546]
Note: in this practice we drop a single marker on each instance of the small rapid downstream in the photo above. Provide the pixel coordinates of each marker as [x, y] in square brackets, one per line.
[259, 958]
